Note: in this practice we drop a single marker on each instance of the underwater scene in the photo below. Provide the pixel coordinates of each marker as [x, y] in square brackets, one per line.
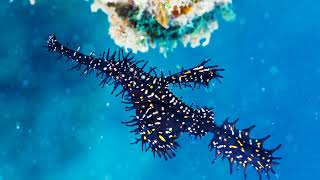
[159, 89]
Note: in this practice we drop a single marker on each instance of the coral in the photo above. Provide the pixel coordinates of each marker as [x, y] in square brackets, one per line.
[140, 24]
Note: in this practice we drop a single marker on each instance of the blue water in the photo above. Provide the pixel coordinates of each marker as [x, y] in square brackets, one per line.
[56, 125]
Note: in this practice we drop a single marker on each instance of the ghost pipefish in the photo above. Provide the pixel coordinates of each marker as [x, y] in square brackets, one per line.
[161, 117]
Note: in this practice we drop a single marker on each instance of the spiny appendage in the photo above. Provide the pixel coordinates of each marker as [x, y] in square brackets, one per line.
[154, 131]
[105, 66]
[238, 147]
[197, 76]
[158, 141]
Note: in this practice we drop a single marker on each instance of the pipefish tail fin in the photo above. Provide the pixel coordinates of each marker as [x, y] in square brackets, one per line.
[239, 148]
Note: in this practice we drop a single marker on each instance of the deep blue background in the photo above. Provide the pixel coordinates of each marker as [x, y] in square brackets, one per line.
[56, 125]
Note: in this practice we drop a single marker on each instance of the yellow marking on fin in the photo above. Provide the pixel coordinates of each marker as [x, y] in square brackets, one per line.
[148, 131]
[260, 164]
[144, 138]
[257, 150]
[242, 149]
[232, 146]
[162, 138]
[249, 159]
[239, 143]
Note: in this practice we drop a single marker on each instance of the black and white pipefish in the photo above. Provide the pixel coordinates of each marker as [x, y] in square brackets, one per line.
[161, 117]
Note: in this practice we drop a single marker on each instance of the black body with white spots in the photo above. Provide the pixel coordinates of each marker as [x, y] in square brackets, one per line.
[161, 117]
